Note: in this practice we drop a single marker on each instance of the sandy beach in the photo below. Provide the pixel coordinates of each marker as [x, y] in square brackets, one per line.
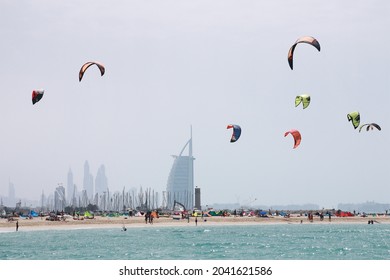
[113, 222]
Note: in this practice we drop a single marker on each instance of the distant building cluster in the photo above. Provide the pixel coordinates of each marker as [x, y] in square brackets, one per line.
[91, 192]
[11, 198]
[95, 190]
[179, 190]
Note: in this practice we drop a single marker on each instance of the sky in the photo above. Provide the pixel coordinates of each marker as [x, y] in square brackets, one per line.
[175, 64]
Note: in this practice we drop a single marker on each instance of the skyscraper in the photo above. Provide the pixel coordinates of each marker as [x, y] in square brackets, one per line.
[180, 186]
[59, 198]
[88, 181]
[69, 186]
[101, 183]
[198, 205]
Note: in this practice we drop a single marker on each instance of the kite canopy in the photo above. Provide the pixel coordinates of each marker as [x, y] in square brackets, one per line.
[304, 99]
[370, 126]
[236, 132]
[87, 65]
[354, 117]
[297, 137]
[306, 39]
[37, 95]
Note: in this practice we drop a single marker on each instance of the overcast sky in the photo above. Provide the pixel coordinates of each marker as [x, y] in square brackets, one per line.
[173, 64]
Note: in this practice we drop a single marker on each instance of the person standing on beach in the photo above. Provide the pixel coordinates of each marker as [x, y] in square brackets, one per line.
[196, 220]
[17, 225]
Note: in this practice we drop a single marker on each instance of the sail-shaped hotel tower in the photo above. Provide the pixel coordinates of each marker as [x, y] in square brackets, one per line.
[180, 186]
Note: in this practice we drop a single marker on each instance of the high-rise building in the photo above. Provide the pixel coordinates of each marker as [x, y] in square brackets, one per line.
[59, 198]
[101, 182]
[180, 186]
[69, 187]
[197, 199]
[88, 181]
[74, 196]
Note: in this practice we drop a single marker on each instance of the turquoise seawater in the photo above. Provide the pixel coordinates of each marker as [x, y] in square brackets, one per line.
[254, 242]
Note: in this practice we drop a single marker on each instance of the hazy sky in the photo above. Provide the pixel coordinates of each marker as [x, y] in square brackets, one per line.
[173, 64]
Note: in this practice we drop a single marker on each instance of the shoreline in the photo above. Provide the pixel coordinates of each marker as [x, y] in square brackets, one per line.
[40, 224]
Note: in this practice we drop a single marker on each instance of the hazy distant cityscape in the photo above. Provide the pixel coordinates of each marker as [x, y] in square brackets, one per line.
[137, 197]
[94, 191]
[96, 194]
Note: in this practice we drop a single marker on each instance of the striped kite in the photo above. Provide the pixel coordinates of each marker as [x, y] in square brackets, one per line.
[86, 66]
[305, 39]
[370, 126]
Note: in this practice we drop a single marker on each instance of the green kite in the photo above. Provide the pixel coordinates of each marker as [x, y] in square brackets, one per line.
[304, 99]
[354, 117]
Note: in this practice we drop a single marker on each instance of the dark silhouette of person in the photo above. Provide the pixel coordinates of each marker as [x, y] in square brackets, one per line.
[151, 218]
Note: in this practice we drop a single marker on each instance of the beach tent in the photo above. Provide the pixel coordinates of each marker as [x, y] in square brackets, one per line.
[344, 214]
[33, 214]
[263, 214]
[282, 213]
[113, 214]
[88, 215]
[215, 213]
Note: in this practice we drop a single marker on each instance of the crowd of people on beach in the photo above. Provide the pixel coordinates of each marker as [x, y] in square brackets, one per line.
[193, 216]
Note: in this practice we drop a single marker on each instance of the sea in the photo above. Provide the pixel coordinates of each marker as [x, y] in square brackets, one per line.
[220, 242]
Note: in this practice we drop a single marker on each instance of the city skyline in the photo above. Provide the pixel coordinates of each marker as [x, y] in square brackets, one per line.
[70, 189]
[174, 64]
[54, 201]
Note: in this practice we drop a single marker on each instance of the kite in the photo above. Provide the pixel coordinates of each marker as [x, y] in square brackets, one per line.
[370, 126]
[355, 118]
[236, 132]
[307, 39]
[297, 137]
[86, 66]
[37, 95]
[304, 99]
